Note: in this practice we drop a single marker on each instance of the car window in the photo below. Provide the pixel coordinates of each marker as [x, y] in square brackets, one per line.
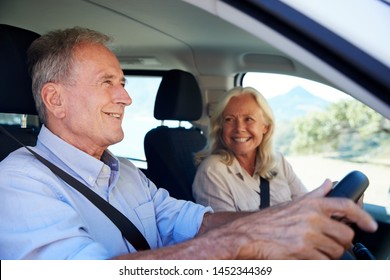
[325, 133]
[139, 118]
[10, 119]
[21, 120]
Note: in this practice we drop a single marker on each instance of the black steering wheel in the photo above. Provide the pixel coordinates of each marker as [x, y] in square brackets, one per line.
[353, 186]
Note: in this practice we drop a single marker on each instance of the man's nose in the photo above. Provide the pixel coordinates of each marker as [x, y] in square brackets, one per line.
[123, 97]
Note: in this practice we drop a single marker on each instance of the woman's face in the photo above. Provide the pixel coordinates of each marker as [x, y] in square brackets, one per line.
[243, 126]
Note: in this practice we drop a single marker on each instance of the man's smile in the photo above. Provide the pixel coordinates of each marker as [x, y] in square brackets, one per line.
[115, 115]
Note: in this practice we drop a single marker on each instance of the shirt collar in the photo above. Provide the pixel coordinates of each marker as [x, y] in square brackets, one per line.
[236, 169]
[72, 159]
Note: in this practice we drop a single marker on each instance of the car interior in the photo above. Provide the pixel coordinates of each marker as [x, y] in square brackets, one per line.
[16, 93]
[194, 52]
[178, 98]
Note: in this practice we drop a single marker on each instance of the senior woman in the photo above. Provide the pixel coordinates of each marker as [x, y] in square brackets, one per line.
[239, 157]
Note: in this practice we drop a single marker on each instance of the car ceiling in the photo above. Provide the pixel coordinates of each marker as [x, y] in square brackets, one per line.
[158, 35]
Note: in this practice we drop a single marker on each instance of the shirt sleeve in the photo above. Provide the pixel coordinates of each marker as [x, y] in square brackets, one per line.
[176, 220]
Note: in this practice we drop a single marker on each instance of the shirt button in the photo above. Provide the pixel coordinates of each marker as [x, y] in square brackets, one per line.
[90, 179]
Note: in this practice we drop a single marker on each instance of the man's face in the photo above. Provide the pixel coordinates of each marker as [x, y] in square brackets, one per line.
[95, 100]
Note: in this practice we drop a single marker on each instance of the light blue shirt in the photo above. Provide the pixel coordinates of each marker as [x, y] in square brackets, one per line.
[41, 217]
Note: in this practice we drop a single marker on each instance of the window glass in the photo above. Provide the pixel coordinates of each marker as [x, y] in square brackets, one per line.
[10, 119]
[19, 120]
[139, 118]
[325, 133]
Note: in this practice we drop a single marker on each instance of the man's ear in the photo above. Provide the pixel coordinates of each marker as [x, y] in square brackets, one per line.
[51, 97]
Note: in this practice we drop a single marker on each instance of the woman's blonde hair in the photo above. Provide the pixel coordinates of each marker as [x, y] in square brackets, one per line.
[216, 145]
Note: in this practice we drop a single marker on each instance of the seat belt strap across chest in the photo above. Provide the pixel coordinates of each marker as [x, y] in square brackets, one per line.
[264, 193]
[127, 228]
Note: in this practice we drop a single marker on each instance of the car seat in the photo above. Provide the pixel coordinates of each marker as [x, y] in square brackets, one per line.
[15, 86]
[169, 151]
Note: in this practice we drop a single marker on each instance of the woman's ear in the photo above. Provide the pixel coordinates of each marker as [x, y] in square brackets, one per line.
[266, 128]
[51, 97]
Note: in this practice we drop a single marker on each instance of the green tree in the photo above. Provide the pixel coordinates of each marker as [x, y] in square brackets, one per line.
[344, 126]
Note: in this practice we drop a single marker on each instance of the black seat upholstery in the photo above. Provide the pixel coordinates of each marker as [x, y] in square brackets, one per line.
[15, 85]
[169, 151]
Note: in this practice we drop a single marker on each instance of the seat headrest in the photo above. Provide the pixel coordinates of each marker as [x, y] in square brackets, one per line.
[15, 83]
[178, 97]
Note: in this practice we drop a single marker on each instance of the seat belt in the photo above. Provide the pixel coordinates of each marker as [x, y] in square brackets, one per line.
[264, 193]
[127, 228]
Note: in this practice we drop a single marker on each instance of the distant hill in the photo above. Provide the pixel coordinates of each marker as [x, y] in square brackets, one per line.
[295, 103]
